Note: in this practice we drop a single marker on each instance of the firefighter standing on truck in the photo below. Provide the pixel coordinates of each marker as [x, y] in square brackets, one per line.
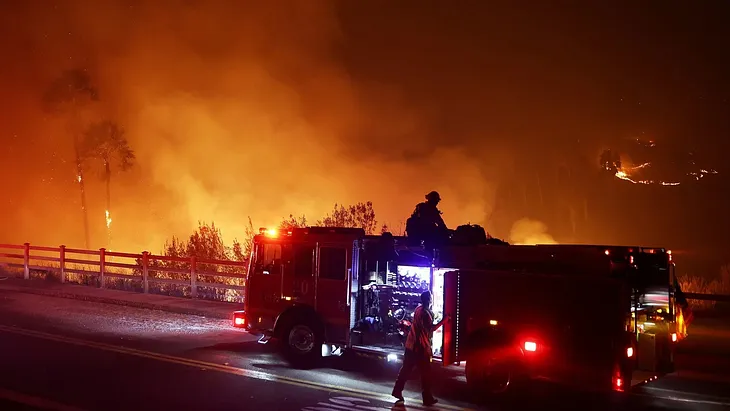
[418, 351]
[426, 223]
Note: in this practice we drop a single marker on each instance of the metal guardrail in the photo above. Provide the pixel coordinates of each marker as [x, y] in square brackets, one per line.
[708, 297]
[67, 260]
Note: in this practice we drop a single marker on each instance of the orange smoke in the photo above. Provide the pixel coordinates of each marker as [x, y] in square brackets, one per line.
[233, 111]
[530, 232]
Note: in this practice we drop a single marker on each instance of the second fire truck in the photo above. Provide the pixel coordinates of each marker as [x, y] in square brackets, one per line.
[602, 317]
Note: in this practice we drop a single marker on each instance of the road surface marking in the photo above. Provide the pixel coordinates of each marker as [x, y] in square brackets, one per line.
[347, 404]
[35, 401]
[710, 399]
[687, 400]
[218, 367]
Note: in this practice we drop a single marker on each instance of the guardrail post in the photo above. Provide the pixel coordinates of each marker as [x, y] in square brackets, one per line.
[193, 279]
[26, 261]
[62, 262]
[145, 271]
[102, 267]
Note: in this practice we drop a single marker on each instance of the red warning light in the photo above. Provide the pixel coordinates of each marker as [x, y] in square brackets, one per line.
[239, 319]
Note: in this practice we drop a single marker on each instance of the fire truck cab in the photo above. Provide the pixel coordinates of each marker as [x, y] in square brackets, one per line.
[518, 312]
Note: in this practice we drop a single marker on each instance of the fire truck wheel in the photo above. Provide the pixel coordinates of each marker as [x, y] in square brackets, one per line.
[489, 376]
[303, 342]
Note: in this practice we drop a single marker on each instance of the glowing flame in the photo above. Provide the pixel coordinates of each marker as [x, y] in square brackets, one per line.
[78, 178]
[624, 173]
[108, 219]
[701, 174]
[612, 163]
[681, 324]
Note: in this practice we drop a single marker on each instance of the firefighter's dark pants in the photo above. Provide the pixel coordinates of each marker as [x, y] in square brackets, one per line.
[412, 360]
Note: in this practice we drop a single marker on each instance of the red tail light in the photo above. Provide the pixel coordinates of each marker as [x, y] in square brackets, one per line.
[239, 319]
[530, 346]
[618, 381]
[630, 352]
[674, 337]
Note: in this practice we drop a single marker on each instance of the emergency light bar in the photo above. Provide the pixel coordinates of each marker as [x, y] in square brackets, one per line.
[270, 232]
[655, 251]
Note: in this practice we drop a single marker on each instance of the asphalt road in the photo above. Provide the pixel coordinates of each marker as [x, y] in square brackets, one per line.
[73, 355]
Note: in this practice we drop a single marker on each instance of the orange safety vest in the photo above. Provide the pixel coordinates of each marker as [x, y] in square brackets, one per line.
[419, 337]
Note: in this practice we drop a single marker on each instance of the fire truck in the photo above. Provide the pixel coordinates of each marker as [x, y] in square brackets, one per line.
[600, 317]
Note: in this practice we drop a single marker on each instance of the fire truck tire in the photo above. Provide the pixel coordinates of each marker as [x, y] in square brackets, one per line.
[490, 377]
[303, 343]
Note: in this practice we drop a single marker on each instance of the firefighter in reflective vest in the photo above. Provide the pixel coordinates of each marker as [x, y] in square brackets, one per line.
[418, 351]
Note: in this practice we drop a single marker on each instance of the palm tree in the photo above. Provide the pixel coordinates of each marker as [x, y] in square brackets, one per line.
[104, 141]
[68, 95]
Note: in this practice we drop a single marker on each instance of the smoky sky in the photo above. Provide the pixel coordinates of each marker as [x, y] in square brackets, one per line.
[263, 109]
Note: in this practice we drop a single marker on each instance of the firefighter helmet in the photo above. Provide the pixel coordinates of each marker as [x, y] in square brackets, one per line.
[433, 196]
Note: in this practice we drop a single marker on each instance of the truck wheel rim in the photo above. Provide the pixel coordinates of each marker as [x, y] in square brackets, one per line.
[499, 382]
[301, 338]
[497, 377]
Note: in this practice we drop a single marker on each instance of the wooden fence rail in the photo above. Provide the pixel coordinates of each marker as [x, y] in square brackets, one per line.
[65, 261]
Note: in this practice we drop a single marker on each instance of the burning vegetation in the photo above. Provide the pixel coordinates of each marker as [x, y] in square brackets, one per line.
[620, 166]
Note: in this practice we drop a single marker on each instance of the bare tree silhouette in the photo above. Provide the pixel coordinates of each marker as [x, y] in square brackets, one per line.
[68, 95]
[105, 142]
